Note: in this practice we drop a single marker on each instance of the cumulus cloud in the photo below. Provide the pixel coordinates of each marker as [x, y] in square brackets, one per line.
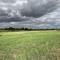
[37, 8]
[28, 8]
[29, 11]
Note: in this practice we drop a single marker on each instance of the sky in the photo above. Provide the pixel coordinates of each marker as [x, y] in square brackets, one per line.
[34, 14]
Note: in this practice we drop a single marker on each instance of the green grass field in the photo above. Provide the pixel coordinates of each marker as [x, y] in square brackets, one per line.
[30, 45]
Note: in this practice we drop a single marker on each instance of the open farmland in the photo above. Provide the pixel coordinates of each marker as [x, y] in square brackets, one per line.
[30, 45]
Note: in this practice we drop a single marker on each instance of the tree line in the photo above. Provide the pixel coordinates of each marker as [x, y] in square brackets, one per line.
[24, 29]
[14, 29]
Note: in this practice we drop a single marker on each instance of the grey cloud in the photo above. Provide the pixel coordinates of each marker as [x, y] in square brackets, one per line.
[37, 8]
[50, 18]
[8, 1]
[13, 19]
[28, 8]
[33, 26]
[29, 13]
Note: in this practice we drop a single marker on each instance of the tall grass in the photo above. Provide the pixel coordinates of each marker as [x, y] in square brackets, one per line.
[31, 45]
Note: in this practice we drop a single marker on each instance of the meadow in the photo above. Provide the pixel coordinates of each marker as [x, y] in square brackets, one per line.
[30, 45]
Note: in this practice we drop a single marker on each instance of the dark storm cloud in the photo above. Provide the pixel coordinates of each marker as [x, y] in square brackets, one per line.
[21, 10]
[38, 8]
[13, 19]
[30, 13]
